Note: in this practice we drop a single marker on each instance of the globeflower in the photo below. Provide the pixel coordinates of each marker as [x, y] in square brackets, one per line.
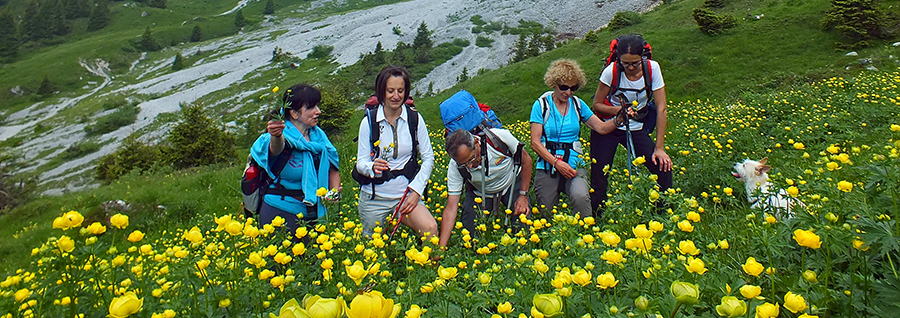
[291, 309]
[752, 267]
[415, 311]
[686, 226]
[685, 293]
[371, 304]
[546, 305]
[135, 236]
[610, 238]
[731, 307]
[845, 186]
[357, 272]
[695, 265]
[688, 247]
[320, 307]
[96, 228]
[125, 305]
[767, 310]
[612, 257]
[641, 231]
[750, 291]
[582, 277]
[447, 273]
[807, 239]
[65, 244]
[794, 302]
[504, 308]
[119, 221]
[607, 280]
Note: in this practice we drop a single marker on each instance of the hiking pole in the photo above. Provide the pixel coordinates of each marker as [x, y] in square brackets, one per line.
[397, 216]
[629, 143]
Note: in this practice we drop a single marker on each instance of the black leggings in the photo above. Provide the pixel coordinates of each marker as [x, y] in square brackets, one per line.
[603, 149]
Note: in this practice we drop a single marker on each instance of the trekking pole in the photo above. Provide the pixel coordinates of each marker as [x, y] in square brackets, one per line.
[397, 216]
[629, 143]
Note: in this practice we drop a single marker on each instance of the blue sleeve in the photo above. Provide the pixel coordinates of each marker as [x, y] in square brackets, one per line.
[536, 113]
[586, 111]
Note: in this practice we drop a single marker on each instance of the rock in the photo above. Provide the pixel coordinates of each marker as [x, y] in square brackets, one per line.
[871, 68]
[18, 91]
[144, 14]
[896, 44]
[852, 54]
[115, 206]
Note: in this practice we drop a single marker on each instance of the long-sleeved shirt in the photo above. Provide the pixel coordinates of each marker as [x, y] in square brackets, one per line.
[396, 148]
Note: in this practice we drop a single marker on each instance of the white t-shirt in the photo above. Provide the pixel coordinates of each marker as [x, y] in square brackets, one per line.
[501, 174]
[634, 86]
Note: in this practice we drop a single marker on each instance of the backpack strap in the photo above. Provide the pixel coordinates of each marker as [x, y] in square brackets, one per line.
[412, 120]
[648, 79]
[276, 168]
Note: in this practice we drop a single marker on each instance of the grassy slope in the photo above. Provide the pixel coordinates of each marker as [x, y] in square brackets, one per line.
[214, 189]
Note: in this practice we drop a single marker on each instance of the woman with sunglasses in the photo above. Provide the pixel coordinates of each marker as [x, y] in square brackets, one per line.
[556, 119]
[648, 94]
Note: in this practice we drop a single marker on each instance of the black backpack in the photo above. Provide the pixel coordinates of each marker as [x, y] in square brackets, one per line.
[489, 138]
[411, 167]
[255, 182]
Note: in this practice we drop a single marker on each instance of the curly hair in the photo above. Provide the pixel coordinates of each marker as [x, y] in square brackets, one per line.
[564, 70]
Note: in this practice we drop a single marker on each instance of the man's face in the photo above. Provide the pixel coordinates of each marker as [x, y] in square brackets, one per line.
[469, 157]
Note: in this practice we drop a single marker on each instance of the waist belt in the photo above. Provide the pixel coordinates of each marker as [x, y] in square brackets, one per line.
[409, 171]
[553, 146]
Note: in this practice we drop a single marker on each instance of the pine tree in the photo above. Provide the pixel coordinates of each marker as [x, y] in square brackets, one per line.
[400, 57]
[9, 43]
[157, 3]
[464, 76]
[521, 47]
[57, 15]
[423, 37]
[32, 26]
[148, 42]
[239, 18]
[857, 20]
[378, 55]
[178, 64]
[77, 9]
[99, 15]
[534, 46]
[47, 87]
[196, 34]
[270, 7]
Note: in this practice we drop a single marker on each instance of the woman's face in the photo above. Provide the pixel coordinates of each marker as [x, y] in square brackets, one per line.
[307, 116]
[395, 90]
[631, 62]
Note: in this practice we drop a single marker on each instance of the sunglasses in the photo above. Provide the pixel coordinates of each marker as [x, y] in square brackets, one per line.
[632, 64]
[567, 87]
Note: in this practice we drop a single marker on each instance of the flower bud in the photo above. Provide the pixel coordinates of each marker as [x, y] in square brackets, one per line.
[685, 293]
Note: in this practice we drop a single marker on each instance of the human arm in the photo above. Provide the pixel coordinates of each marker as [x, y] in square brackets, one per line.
[521, 205]
[448, 218]
[543, 153]
[599, 106]
[660, 157]
[276, 143]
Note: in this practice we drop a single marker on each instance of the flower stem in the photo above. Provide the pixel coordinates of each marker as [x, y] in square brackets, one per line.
[675, 311]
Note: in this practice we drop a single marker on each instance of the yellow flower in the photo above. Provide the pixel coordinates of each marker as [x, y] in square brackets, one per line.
[695, 265]
[607, 281]
[844, 186]
[276, 222]
[447, 273]
[327, 263]
[728, 191]
[767, 310]
[415, 311]
[484, 278]
[723, 244]
[688, 247]
[319, 307]
[731, 307]
[685, 293]
[540, 267]
[610, 238]
[125, 305]
[750, 291]
[427, 288]
[194, 235]
[291, 309]
[794, 302]
[504, 308]
[582, 277]
[234, 228]
[810, 276]
[357, 272]
[135, 236]
[321, 192]
[807, 316]
[859, 244]
[224, 303]
[73, 218]
[693, 216]
[686, 226]
[798, 145]
[21, 294]
[639, 161]
[546, 305]
[752, 267]
[612, 257]
[656, 226]
[371, 305]
[807, 239]
[275, 89]
[65, 244]
[119, 221]
[653, 196]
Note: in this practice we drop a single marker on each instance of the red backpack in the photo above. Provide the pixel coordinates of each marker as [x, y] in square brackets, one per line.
[618, 69]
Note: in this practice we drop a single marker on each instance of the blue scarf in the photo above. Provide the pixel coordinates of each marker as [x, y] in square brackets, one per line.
[313, 177]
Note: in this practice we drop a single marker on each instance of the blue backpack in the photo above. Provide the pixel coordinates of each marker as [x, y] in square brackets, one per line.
[461, 111]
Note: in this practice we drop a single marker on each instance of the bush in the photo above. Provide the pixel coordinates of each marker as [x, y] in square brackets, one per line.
[335, 114]
[132, 155]
[79, 150]
[13, 190]
[196, 140]
[591, 37]
[109, 123]
[858, 21]
[623, 19]
[483, 41]
[320, 52]
[713, 3]
[711, 23]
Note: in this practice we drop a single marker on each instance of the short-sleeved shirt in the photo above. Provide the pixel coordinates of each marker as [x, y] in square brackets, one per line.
[559, 128]
[635, 91]
[501, 172]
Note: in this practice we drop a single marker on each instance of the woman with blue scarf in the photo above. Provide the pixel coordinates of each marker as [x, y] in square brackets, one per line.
[312, 161]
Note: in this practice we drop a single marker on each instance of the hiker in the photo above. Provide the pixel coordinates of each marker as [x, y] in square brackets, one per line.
[556, 119]
[392, 182]
[311, 161]
[507, 181]
[640, 81]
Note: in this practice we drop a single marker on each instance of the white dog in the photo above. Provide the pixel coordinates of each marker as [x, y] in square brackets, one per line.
[756, 180]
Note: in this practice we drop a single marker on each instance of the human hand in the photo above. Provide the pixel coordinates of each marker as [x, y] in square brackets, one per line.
[521, 205]
[662, 160]
[333, 195]
[565, 169]
[380, 165]
[409, 202]
[275, 128]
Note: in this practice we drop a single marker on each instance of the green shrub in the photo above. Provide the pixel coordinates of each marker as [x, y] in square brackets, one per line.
[483, 41]
[711, 23]
[591, 37]
[79, 150]
[713, 3]
[858, 21]
[109, 123]
[320, 52]
[335, 114]
[623, 19]
[197, 141]
[132, 155]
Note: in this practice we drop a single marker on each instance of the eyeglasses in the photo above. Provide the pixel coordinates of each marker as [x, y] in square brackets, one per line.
[567, 87]
[470, 162]
[632, 64]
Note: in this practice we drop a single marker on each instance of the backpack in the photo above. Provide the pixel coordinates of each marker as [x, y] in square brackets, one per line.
[411, 167]
[255, 182]
[618, 69]
[545, 114]
[461, 111]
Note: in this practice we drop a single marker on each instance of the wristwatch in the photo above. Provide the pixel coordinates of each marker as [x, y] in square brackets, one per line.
[523, 192]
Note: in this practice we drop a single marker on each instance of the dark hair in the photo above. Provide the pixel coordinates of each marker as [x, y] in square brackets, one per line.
[386, 73]
[457, 138]
[631, 44]
[302, 96]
